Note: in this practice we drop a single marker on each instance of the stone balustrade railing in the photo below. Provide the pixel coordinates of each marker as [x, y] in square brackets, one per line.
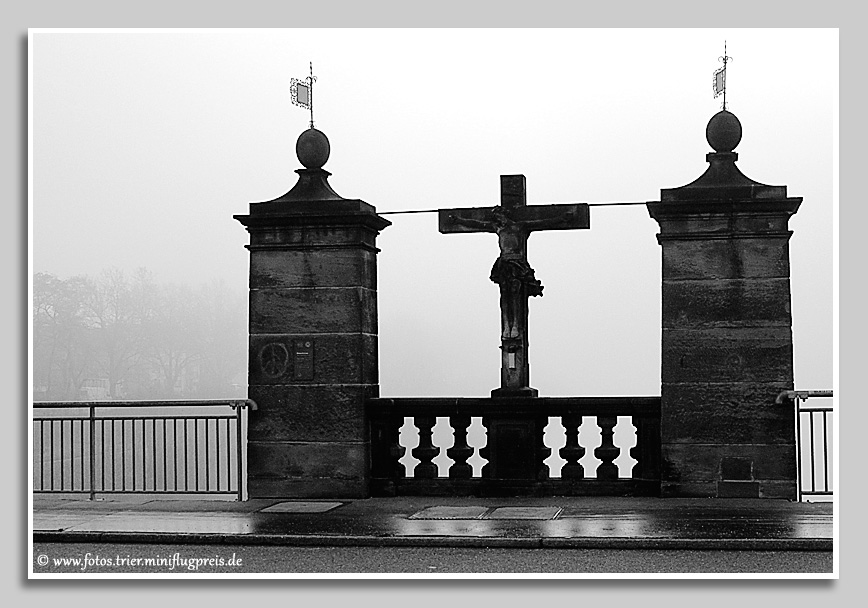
[518, 466]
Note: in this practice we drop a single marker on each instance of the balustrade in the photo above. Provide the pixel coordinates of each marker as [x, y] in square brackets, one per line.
[519, 426]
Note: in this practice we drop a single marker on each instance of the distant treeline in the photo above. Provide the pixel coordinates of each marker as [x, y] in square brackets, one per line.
[119, 337]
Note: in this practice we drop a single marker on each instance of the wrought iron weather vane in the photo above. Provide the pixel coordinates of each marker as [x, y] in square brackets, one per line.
[302, 92]
[719, 84]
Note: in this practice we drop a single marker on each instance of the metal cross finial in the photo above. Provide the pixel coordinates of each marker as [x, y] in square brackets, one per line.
[720, 76]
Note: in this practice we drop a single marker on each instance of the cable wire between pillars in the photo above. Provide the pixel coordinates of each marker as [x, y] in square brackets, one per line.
[437, 210]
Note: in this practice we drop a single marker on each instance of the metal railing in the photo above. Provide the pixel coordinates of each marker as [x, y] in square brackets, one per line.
[141, 447]
[813, 443]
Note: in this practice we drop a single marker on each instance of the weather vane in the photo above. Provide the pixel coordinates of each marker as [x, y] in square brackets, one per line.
[720, 76]
[302, 92]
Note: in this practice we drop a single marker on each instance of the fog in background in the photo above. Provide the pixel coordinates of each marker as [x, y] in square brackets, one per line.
[144, 145]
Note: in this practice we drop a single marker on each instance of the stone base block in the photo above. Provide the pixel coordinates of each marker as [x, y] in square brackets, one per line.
[670, 489]
[738, 489]
[778, 489]
[307, 470]
[728, 470]
[515, 392]
[307, 488]
[729, 489]
[701, 463]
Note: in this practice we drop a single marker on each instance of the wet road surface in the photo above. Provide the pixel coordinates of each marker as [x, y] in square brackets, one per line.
[119, 559]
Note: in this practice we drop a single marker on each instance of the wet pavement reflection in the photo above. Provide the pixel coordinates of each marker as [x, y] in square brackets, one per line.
[523, 518]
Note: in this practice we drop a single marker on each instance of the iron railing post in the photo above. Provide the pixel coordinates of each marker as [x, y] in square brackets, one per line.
[798, 450]
[795, 398]
[239, 451]
[825, 454]
[92, 411]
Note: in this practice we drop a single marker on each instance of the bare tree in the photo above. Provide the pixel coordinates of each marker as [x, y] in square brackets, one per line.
[116, 312]
[142, 340]
[62, 351]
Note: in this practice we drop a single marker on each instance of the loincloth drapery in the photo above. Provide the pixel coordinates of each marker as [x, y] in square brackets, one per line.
[506, 271]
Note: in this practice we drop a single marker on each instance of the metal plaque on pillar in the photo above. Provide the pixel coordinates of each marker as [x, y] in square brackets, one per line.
[302, 359]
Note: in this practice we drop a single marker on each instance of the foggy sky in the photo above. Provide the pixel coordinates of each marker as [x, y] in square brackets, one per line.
[145, 144]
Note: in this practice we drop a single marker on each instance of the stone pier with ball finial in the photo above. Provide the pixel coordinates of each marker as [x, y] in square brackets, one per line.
[313, 335]
[727, 347]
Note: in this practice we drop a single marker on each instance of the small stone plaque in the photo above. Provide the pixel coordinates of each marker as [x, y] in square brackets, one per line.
[524, 513]
[450, 513]
[301, 507]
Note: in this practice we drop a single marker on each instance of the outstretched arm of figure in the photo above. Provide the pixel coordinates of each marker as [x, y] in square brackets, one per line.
[470, 222]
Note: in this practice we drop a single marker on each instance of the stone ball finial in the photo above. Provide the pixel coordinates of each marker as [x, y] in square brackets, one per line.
[312, 148]
[723, 131]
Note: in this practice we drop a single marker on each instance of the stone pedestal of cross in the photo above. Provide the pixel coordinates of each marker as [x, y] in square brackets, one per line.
[513, 221]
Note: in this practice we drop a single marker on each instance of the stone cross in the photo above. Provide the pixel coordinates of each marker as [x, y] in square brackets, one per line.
[513, 221]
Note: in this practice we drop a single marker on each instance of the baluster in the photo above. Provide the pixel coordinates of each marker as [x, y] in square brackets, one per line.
[647, 448]
[386, 448]
[543, 452]
[426, 451]
[572, 452]
[460, 450]
[607, 452]
[485, 451]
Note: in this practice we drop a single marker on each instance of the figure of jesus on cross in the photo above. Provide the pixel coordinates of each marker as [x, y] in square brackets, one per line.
[513, 221]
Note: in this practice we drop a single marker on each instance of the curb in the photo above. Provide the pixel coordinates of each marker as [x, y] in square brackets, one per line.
[694, 544]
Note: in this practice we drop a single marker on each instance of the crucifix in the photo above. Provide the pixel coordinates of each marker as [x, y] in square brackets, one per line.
[513, 221]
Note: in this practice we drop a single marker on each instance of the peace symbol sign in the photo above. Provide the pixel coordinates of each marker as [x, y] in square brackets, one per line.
[274, 359]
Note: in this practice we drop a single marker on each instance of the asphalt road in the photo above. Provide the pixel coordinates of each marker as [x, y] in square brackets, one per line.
[190, 559]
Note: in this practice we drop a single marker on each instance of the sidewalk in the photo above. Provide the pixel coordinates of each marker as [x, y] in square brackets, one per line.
[571, 522]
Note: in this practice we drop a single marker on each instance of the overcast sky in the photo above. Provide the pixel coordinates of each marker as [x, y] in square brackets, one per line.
[145, 144]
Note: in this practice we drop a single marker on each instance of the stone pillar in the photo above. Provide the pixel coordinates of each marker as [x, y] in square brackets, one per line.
[727, 348]
[313, 336]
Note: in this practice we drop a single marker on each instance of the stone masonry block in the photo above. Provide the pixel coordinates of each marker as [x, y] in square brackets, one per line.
[735, 468]
[308, 487]
[334, 359]
[738, 489]
[275, 269]
[727, 354]
[724, 413]
[309, 413]
[726, 259]
[677, 489]
[701, 463]
[287, 460]
[307, 469]
[297, 232]
[723, 224]
[716, 303]
[312, 311]
[778, 489]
